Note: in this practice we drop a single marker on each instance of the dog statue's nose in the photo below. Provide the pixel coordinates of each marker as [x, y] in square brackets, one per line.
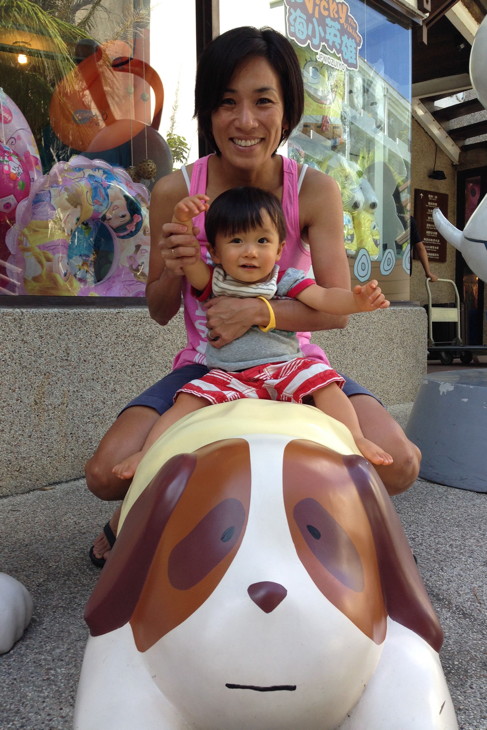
[267, 595]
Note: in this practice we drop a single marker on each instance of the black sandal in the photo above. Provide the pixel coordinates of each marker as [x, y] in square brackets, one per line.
[111, 537]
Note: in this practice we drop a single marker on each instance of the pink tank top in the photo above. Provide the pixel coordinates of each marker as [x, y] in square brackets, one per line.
[296, 255]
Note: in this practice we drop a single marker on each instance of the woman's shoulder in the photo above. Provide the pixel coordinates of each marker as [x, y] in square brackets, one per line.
[318, 187]
[314, 177]
[172, 186]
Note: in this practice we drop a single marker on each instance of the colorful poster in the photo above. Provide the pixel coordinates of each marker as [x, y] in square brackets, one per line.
[328, 23]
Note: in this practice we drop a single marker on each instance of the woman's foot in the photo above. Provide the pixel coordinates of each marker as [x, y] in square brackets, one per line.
[127, 468]
[372, 452]
[101, 547]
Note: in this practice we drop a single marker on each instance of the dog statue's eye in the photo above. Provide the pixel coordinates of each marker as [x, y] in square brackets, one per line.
[329, 543]
[227, 534]
[313, 531]
[207, 544]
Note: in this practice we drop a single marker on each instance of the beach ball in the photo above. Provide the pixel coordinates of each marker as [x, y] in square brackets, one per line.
[14, 182]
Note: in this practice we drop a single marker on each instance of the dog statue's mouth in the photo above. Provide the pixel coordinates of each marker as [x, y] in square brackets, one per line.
[258, 688]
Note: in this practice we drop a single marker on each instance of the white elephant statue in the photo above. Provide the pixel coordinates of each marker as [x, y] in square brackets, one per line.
[478, 62]
[472, 241]
[260, 580]
[15, 611]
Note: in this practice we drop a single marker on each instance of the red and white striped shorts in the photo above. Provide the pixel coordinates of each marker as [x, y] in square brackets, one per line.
[291, 381]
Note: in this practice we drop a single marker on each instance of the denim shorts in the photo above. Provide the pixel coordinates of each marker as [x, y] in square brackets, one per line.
[160, 396]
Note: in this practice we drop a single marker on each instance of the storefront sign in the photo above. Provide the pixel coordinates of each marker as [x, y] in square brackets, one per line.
[425, 201]
[327, 23]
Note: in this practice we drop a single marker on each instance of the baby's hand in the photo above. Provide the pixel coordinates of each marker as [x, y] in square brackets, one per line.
[188, 208]
[369, 297]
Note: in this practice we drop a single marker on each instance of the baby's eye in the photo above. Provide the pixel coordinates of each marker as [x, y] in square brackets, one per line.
[235, 239]
[263, 240]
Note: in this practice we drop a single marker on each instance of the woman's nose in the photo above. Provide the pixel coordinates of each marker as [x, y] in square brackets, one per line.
[246, 116]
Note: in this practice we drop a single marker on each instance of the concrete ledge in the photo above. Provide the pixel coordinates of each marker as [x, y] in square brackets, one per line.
[66, 372]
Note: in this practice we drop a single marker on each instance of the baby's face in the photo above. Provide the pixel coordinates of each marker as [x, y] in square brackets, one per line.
[249, 256]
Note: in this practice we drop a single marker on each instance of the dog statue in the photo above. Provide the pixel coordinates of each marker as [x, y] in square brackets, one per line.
[260, 580]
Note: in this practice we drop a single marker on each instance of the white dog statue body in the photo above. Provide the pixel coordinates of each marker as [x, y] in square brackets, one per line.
[261, 580]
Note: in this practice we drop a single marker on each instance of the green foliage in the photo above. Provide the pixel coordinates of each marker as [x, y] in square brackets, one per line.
[179, 147]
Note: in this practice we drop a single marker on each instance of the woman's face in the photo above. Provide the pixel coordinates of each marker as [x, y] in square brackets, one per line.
[248, 124]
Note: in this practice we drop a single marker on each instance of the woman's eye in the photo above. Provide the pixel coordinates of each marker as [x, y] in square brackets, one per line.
[227, 102]
[264, 100]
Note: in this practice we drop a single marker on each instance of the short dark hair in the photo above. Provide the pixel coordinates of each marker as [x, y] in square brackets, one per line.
[226, 52]
[240, 209]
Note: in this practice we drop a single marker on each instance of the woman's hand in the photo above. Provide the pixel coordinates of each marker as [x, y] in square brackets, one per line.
[178, 247]
[230, 317]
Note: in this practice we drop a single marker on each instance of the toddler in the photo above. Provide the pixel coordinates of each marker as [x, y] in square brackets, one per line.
[246, 233]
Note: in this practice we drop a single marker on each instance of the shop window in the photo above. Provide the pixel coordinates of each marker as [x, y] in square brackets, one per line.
[356, 125]
[95, 107]
[356, 128]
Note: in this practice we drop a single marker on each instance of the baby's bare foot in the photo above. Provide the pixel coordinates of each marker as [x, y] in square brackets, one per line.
[372, 452]
[127, 468]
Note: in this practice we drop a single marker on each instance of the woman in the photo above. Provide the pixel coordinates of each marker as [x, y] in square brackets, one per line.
[248, 99]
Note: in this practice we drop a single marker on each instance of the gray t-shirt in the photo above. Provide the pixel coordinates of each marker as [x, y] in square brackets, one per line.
[256, 347]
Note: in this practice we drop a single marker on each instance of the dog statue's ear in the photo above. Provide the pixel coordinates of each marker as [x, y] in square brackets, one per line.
[404, 592]
[116, 594]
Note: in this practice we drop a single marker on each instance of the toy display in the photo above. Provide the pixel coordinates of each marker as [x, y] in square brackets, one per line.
[324, 89]
[14, 182]
[334, 98]
[366, 231]
[15, 611]
[83, 230]
[260, 579]
[16, 134]
[19, 167]
[472, 241]
[102, 109]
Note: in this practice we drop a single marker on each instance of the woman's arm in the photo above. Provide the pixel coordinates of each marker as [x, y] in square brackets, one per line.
[171, 248]
[321, 217]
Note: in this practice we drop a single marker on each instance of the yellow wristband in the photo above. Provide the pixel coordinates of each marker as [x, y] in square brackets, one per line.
[272, 316]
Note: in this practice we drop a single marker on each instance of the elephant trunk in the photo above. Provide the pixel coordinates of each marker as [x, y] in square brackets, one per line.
[447, 230]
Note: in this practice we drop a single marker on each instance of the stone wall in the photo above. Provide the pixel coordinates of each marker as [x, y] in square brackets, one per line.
[66, 372]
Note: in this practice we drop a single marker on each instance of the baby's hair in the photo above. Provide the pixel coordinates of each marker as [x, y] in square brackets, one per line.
[240, 209]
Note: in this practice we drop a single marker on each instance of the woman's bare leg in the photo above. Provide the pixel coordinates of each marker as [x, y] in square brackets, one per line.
[126, 436]
[379, 426]
[128, 433]
[333, 401]
[184, 404]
